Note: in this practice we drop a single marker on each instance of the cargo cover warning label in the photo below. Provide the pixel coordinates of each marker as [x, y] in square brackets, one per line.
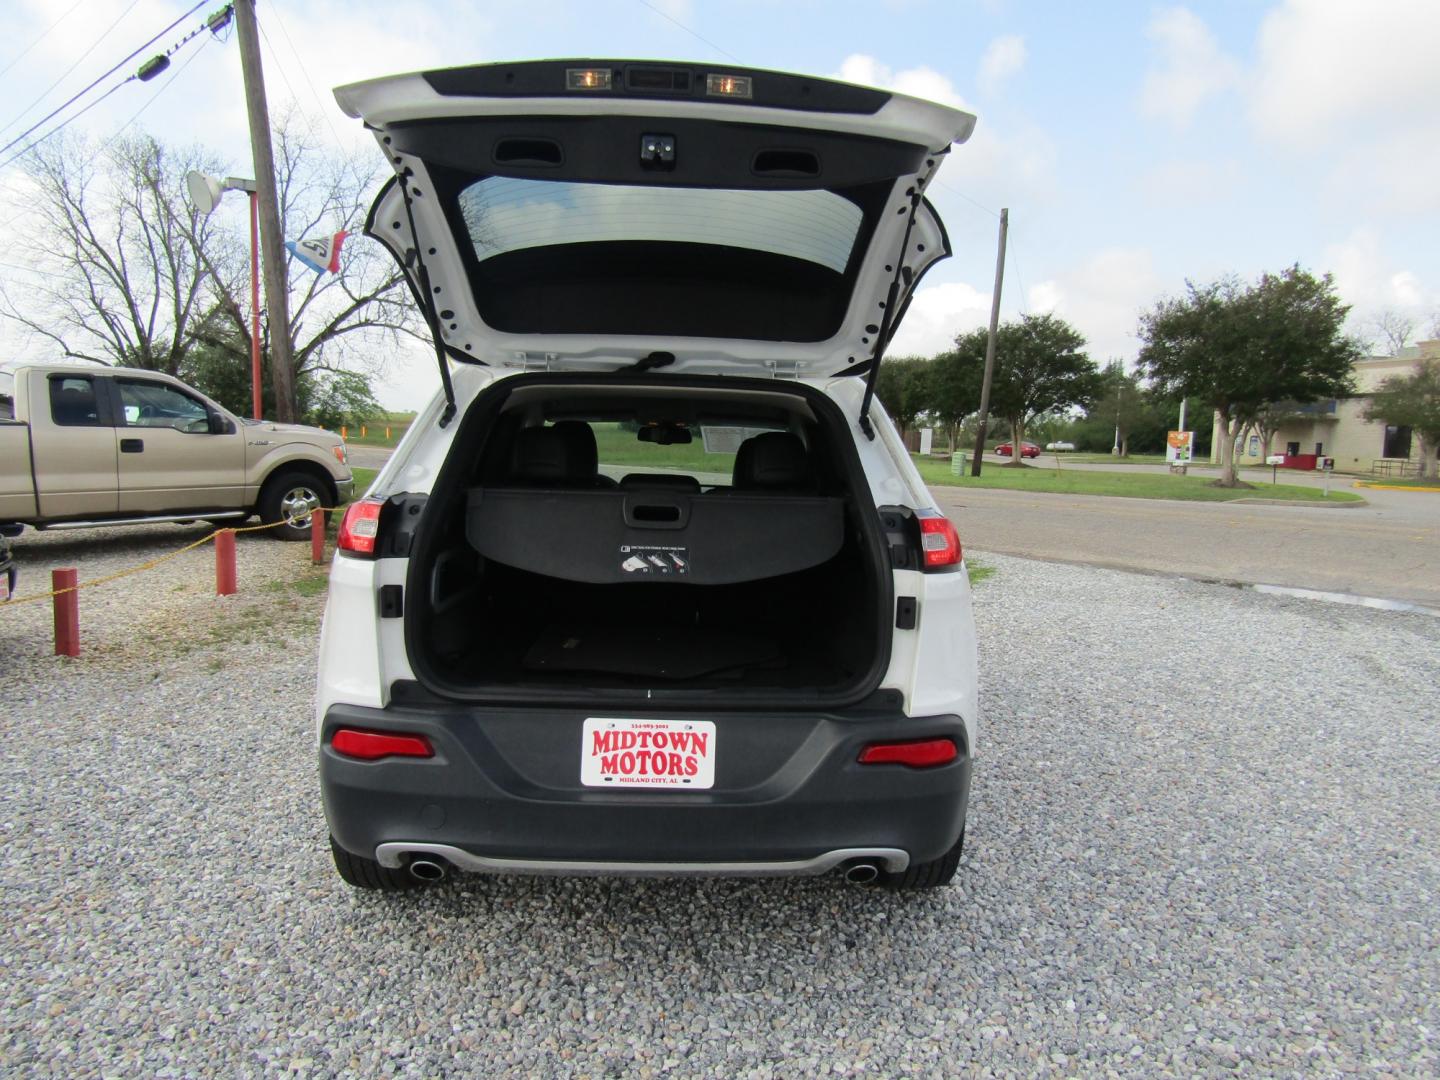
[647, 753]
[654, 559]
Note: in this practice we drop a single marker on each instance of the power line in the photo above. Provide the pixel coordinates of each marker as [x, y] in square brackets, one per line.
[103, 77]
[159, 90]
[43, 35]
[687, 29]
[304, 70]
[210, 24]
[66, 74]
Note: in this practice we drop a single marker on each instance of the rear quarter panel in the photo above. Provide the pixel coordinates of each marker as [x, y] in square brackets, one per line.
[362, 655]
[17, 486]
[934, 666]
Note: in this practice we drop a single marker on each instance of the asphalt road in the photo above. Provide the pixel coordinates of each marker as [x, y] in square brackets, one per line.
[1389, 548]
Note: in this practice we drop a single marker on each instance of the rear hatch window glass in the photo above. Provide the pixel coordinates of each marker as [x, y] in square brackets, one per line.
[576, 257]
[503, 215]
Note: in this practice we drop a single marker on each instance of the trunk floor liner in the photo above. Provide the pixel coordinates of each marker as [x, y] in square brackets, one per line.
[666, 652]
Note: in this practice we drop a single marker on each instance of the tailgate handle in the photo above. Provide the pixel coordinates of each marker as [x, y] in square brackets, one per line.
[132, 446]
[650, 513]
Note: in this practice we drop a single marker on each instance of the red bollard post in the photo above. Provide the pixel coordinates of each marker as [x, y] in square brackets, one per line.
[317, 536]
[225, 562]
[67, 611]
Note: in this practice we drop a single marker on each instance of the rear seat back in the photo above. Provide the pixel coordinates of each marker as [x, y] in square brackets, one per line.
[775, 461]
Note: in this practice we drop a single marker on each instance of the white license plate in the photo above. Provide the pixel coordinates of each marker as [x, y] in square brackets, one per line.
[647, 753]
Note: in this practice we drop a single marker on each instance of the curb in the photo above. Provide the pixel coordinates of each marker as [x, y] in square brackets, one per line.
[1394, 487]
[1320, 503]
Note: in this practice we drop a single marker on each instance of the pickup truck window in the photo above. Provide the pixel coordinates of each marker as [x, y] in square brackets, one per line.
[72, 401]
[148, 404]
[7, 396]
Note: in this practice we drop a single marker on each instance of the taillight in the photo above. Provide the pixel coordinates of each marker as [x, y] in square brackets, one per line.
[371, 745]
[939, 542]
[918, 754]
[359, 527]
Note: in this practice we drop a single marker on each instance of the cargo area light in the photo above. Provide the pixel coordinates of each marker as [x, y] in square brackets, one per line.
[588, 78]
[732, 86]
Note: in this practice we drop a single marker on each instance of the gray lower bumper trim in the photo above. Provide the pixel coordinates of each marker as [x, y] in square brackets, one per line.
[393, 855]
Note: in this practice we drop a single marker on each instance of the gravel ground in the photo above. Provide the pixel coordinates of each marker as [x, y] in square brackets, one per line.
[1177, 865]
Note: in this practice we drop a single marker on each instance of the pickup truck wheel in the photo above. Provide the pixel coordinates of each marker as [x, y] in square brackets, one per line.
[290, 498]
[365, 873]
[928, 875]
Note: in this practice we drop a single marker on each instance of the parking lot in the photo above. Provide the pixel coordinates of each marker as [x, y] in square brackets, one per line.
[1202, 838]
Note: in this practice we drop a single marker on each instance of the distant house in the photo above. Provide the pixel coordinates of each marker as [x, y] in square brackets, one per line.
[1336, 427]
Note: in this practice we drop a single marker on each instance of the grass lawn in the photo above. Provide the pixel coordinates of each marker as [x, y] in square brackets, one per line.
[620, 447]
[1128, 485]
[363, 479]
[1111, 459]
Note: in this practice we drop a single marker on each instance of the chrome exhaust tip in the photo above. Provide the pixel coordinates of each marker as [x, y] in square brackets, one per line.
[862, 873]
[427, 870]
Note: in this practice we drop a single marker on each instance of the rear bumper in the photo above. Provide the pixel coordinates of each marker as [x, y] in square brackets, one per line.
[502, 794]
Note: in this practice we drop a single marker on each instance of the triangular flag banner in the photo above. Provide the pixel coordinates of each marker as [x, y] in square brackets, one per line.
[319, 255]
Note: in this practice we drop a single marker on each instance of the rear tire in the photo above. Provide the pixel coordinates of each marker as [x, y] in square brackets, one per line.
[928, 875]
[363, 873]
[289, 497]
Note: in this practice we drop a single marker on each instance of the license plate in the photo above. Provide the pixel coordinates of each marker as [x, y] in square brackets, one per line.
[620, 753]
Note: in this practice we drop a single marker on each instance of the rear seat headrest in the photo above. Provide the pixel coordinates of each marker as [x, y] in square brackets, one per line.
[776, 459]
[543, 456]
[581, 438]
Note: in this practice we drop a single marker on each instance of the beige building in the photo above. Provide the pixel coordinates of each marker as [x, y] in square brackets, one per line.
[1336, 428]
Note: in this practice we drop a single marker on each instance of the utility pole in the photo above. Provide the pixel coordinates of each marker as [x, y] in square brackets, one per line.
[272, 240]
[990, 350]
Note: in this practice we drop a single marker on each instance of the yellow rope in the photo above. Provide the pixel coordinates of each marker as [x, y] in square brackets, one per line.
[148, 565]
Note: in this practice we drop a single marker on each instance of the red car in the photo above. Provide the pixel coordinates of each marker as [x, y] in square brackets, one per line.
[1027, 449]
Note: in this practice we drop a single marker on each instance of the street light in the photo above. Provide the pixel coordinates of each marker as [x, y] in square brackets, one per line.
[205, 194]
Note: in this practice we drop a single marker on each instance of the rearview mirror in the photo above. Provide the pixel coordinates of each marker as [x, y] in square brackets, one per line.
[664, 436]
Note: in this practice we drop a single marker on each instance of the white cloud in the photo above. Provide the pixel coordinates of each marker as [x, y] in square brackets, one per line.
[922, 82]
[1191, 67]
[1192, 182]
[1369, 282]
[1323, 66]
[1102, 297]
[936, 314]
[1003, 57]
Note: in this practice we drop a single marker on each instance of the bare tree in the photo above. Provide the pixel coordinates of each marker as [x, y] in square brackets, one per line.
[337, 321]
[139, 278]
[120, 251]
[1391, 330]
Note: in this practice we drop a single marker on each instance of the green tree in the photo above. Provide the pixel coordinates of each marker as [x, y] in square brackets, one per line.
[1040, 366]
[1120, 403]
[1267, 418]
[952, 391]
[900, 386]
[1413, 401]
[1236, 347]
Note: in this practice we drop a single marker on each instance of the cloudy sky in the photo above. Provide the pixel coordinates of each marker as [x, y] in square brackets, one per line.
[1135, 144]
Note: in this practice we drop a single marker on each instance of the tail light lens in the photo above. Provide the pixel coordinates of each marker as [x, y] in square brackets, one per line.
[373, 745]
[359, 527]
[939, 542]
[917, 754]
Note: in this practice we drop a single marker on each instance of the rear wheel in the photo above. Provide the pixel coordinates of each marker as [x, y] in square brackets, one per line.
[928, 875]
[365, 873]
[291, 497]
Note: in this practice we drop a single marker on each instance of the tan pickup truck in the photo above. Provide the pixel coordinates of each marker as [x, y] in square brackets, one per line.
[119, 446]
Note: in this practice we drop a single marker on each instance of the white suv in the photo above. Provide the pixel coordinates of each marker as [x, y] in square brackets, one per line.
[652, 587]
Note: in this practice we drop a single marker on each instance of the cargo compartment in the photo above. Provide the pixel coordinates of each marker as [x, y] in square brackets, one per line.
[543, 571]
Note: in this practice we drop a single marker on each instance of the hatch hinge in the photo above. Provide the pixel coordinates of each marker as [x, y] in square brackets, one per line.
[784, 369]
[526, 362]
